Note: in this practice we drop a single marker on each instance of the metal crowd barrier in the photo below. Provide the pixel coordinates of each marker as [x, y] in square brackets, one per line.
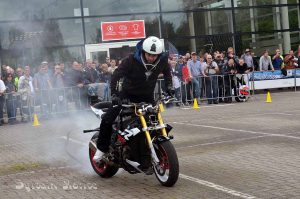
[21, 106]
[215, 88]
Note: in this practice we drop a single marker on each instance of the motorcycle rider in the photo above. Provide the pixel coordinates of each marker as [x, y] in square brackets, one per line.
[139, 72]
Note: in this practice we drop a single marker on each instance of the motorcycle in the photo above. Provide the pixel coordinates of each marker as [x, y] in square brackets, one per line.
[139, 136]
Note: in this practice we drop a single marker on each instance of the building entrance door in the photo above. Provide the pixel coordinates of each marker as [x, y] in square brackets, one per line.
[116, 50]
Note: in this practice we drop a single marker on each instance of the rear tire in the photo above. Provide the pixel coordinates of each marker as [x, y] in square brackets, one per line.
[167, 171]
[102, 168]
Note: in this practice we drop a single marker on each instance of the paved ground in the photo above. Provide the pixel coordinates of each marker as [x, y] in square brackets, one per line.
[239, 150]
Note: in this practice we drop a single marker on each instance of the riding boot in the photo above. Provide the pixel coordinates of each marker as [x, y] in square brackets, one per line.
[103, 141]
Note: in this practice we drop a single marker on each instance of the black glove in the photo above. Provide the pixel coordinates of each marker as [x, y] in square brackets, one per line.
[115, 100]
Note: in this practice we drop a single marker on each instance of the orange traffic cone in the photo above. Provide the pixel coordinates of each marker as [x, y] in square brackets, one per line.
[35, 120]
[195, 106]
[269, 99]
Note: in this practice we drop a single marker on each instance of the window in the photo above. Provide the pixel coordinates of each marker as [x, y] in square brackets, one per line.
[37, 9]
[114, 7]
[179, 5]
[41, 33]
[176, 24]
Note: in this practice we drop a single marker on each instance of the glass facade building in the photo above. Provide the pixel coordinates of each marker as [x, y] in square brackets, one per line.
[59, 30]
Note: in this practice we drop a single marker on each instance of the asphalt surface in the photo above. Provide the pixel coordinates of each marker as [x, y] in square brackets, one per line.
[238, 150]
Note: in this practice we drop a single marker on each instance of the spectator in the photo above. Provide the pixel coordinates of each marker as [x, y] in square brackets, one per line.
[289, 60]
[61, 66]
[105, 77]
[187, 83]
[265, 62]
[19, 73]
[42, 84]
[75, 79]
[27, 91]
[175, 79]
[2, 91]
[90, 73]
[229, 80]
[58, 77]
[113, 66]
[58, 94]
[255, 61]
[10, 99]
[277, 60]
[187, 56]
[248, 59]
[195, 69]
[211, 81]
[220, 62]
[179, 65]
[75, 76]
[231, 55]
[242, 68]
[41, 79]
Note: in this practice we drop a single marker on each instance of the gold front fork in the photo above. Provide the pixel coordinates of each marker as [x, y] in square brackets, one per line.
[148, 138]
[161, 122]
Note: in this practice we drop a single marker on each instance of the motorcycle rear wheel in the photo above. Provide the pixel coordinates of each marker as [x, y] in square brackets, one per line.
[167, 171]
[102, 168]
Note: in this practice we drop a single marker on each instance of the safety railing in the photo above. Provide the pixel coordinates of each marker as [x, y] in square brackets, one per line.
[212, 89]
[20, 106]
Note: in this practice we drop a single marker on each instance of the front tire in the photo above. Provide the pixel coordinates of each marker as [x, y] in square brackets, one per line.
[102, 168]
[167, 171]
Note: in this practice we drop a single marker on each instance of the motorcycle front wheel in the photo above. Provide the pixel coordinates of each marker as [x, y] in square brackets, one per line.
[167, 171]
[102, 168]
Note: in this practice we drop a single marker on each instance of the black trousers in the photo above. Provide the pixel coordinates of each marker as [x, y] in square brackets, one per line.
[106, 128]
[138, 145]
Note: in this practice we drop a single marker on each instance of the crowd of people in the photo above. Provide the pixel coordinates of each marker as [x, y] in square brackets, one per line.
[50, 85]
[214, 77]
[218, 75]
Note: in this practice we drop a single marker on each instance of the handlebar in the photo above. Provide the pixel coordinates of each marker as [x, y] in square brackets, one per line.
[164, 99]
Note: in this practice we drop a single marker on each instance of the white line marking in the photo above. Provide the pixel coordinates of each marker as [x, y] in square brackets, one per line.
[73, 140]
[217, 187]
[221, 142]
[239, 130]
[277, 114]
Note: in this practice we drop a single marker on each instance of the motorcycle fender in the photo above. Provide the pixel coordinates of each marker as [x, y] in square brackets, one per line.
[168, 128]
[161, 139]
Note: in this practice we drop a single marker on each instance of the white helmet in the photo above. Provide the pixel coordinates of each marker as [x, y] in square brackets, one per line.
[153, 45]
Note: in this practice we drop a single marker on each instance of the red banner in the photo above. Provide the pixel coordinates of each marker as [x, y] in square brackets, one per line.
[119, 30]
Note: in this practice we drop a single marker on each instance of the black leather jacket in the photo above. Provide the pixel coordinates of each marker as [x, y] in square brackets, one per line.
[136, 86]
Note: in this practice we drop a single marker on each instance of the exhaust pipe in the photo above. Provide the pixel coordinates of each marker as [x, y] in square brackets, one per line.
[135, 165]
